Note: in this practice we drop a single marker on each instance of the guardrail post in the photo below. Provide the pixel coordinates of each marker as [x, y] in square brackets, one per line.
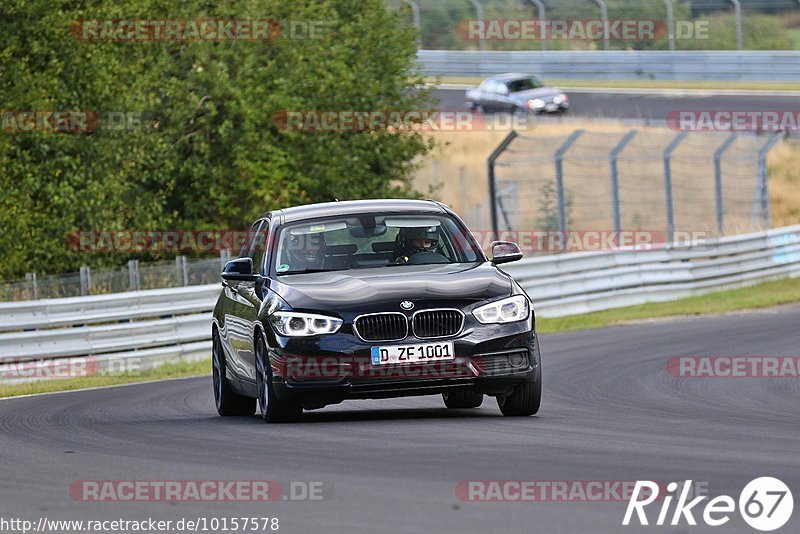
[183, 273]
[479, 12]
[86, 281]
[615, 178]
[417, 21]
[133, 275]
[604, 16]
[562, 198]
[737, 6]
[34, 286]
[493, 200]
[543, 18]
[718, 180]
[670, 24]
[668, 183]
[762, 188]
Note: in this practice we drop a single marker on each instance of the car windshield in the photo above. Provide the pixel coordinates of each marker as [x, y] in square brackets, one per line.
[372, 240]
[524, 84]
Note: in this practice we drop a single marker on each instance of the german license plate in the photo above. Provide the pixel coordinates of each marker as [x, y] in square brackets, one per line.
[551, 108]
[404, 354]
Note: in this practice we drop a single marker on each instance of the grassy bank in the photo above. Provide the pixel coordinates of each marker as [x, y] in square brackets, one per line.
[170, 370]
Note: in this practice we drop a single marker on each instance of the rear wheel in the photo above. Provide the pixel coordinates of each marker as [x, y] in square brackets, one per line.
[524, 400]
[272, 409]
[228, 402]
[462, 399]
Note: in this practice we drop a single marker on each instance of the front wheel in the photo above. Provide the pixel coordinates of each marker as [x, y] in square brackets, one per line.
[273, 410]
[524, 400]
[462, 399]
[228, 402]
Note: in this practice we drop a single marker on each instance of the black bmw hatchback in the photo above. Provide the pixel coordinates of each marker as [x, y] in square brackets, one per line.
[371, 299]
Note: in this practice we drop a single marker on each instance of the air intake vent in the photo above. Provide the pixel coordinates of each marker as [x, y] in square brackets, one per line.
[437, 323]
[381, 327]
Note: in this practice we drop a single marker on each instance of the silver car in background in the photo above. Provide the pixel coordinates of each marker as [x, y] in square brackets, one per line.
[516, 92]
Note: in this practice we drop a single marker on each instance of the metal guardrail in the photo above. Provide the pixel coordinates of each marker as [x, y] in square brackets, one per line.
[719, 65]
[157, 326]
[585, 282]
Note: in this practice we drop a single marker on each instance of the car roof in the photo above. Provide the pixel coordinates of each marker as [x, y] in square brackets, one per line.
[511, 76]
[354, 207]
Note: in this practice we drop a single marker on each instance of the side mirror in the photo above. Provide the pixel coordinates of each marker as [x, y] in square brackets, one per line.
[505, 252]
[240, 269]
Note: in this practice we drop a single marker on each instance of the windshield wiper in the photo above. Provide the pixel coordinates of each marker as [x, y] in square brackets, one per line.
[307, 271]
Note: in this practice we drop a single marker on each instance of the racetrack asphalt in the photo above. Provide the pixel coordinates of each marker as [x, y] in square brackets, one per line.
[610, 412]
[652, 106]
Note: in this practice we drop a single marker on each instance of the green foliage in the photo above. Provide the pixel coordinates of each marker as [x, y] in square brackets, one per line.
[211, 157]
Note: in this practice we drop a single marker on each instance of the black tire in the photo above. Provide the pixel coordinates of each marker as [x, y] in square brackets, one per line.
[228, 403]
[462, 399]
[272, 409]
[524, 400]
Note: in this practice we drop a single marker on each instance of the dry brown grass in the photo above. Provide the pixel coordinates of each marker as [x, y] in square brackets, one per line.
[784, 187]
[457, 173]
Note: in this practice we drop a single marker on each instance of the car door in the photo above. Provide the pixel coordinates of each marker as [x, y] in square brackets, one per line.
[243, 304]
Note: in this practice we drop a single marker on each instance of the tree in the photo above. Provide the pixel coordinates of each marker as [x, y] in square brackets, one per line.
[209, 155]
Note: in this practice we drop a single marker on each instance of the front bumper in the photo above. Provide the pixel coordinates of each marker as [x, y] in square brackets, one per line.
[490, 359]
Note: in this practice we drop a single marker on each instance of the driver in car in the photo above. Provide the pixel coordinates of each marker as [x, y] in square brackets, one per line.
[306, 252]
[418, 245]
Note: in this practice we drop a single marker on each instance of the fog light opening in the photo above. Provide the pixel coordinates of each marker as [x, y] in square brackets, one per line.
[517, 360]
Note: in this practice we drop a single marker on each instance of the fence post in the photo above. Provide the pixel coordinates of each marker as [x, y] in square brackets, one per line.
[668, 183]
[762, 191]
[34, 289]
[479, 12]
[416, 18]
[604, 16]
[562, 198]
[670, 24]
[718, 181]
[615, 178]
[493, 200]
[737, 6]
[183, 274]
[86, 281]
[543, 18]
[133, 275]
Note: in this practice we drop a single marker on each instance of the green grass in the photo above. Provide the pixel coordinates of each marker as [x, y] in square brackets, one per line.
[170, 370]
[758, 296]
[643, 84]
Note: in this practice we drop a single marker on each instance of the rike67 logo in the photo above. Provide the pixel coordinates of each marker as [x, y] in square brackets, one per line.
[765, 504]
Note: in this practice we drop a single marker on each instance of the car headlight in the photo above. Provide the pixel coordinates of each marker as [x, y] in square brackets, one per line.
[559, 99]
[508, 310]
[536, 103]
[294, 324]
